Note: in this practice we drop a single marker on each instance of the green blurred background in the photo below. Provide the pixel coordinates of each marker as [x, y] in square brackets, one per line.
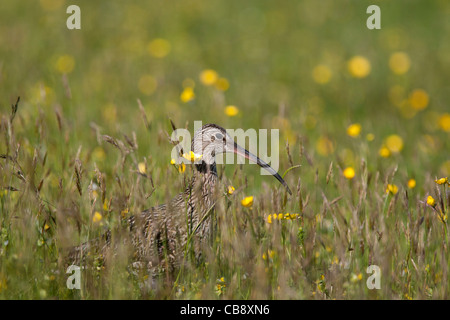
[337, 91]
[266, 51]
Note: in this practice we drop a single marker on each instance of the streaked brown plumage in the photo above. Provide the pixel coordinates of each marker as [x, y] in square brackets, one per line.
[159, 235]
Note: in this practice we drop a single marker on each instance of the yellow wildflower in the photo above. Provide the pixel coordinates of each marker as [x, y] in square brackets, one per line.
[231, 111]
[321, 74]
[391, 189]
[411, 183]
[187, 94]
[325, 146]
[65, 64]
[222, 84]
[442, 181]
[419, 99]
[359, 67]
[208, 77]
[356, 277]
[394, 143]
[230, 189]
[271, 254]
[431, 202]
[181, 168]
[97, 217]
[349, 173]
[192, 156]
[399, 62]
[46, 227]
[141, 167]
[280, 216]
[354, 130]
[247, 202]
[159, 48]
[384, 152]
[444, 122]
[370, 137]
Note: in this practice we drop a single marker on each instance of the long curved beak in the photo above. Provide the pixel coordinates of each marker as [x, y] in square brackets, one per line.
[248, 155]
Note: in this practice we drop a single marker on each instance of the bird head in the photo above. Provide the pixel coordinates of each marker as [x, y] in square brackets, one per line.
[212, 140]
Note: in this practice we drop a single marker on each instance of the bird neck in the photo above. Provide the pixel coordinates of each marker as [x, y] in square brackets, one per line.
[205, 168]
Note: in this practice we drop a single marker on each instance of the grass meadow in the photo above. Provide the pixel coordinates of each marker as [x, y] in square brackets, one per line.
[364, 122]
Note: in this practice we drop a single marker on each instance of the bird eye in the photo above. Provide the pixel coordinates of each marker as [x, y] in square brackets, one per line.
[219, 136]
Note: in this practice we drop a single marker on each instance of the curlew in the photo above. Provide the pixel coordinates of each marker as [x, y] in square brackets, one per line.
[159, 235]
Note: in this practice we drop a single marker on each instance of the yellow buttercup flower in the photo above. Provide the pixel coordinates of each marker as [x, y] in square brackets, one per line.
[399, 62]
[349, 173]
[181, 168]
[247, 202]
[192, 156]
[281, 216]
[392, 189]
[419, 99]
[354, 130]
[141, 167]
[159, 48]
[411, 183]
[359, 67]
[370, 137]
[442, 181]
[230, 190]
[65, 64]
[325, 146]
[356, 277]
[431, 201]
[444, 122]
[384, 152]
[208, 77]
[222, 84]
[321, 74]
[394, 143]
[97, 217]
[231, 111]
[46, 227]
[187, 94]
